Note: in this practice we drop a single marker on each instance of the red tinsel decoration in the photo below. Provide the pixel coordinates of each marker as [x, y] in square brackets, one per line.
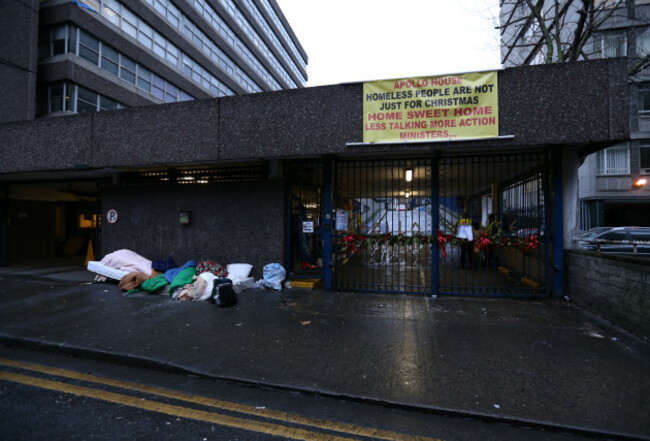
[531, 243]
[483, 242]
[442, 243]
[349, 241]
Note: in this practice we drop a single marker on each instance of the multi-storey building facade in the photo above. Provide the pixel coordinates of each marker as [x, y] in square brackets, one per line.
[608, 196]
[65, 60]
[76, 56]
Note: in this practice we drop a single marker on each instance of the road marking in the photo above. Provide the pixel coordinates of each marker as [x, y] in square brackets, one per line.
[177, 411]
[285, 417]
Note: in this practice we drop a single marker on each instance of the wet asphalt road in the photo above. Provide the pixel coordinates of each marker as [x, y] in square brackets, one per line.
[540, 363]
[55, 405]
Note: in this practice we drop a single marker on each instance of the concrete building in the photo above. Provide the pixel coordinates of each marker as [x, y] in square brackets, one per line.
[76, 56]
[606, 188]
[287, 177]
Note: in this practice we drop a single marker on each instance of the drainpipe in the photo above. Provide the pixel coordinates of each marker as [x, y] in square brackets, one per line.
[4, 221]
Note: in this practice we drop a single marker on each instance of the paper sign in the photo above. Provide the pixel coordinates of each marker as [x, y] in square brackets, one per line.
[341, 220]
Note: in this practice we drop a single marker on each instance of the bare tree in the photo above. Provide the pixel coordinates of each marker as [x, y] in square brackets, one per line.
[557, 31]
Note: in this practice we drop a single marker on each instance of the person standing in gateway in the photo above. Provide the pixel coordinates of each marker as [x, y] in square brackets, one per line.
[466, 236]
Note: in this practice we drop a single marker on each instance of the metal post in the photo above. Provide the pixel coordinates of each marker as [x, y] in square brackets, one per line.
[548, 209]
[327, 222]
[558, 225]
[288, 227]
[435, 225]
[4, 221]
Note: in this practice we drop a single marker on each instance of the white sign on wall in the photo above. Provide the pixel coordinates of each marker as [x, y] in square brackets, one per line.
[111, 216]
[308, 227]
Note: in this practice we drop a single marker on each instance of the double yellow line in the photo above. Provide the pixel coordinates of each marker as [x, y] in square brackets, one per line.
[285, 424]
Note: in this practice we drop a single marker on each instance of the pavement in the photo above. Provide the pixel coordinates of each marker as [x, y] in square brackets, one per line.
[544, 363]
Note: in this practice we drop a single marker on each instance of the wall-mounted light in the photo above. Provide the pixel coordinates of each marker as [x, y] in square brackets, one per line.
[407, 193]
[640, 182]
[409, 175]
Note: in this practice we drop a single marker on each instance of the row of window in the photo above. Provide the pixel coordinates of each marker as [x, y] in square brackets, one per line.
[284, 33]
[180, 21]
[616, 160]
[126, 20]
[617, 3]
[70, 39]
[276, 42]
[615, 44]
[222, 28]
[245, 26]
[65, 96]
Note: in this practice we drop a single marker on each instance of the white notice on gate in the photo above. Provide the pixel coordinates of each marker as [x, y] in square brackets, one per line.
[308, 227]
[341, 220]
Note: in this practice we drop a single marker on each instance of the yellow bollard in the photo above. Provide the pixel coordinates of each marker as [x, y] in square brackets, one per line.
[90, 255]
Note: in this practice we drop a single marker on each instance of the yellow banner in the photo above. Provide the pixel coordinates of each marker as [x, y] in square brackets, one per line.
[449, 107]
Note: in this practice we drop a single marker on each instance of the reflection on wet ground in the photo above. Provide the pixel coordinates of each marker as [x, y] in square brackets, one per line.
[407, 269]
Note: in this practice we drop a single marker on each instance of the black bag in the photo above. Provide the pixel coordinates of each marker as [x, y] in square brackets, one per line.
[222, 293]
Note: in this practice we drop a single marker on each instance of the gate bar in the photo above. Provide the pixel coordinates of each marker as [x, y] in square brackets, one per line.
[558, 224]
[435, 225]
[327, 223]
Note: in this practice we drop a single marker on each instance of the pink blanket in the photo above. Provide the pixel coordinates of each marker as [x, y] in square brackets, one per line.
[126, 260]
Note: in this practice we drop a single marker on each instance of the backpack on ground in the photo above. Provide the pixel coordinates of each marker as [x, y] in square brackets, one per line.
[223, 293]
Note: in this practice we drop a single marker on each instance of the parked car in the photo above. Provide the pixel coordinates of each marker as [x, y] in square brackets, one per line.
[619, 240]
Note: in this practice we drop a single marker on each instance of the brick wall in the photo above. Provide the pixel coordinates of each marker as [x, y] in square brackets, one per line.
[615, 287]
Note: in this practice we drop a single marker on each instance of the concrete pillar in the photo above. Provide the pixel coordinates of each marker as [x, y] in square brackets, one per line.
[570, 165]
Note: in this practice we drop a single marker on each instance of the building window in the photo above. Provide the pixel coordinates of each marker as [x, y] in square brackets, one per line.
[608, 4]
[87, 100]
[58, 100]
[144, 79]
[145, 35]
[107, 103]
[89, 47]
[127, 69]
[111, 10]
[614, 161]
[609, 45]
[59, 39]
[110, 59]
[643, 43]
[644, 99]
[644, 159]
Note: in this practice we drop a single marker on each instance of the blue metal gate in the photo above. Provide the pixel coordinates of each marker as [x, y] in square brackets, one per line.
[393, 225]
[383, 219]
[503, 197]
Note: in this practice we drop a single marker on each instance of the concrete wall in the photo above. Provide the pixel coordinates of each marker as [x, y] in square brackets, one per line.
[230, 223]
[569, 104]
[616, 287]
[18, 54]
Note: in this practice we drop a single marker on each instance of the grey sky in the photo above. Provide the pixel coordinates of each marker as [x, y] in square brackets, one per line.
[361, 40]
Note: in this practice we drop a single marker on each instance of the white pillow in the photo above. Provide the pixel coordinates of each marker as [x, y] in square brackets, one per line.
[237, 272]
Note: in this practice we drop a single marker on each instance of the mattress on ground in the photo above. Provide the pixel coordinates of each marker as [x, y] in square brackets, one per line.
[106, 271]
